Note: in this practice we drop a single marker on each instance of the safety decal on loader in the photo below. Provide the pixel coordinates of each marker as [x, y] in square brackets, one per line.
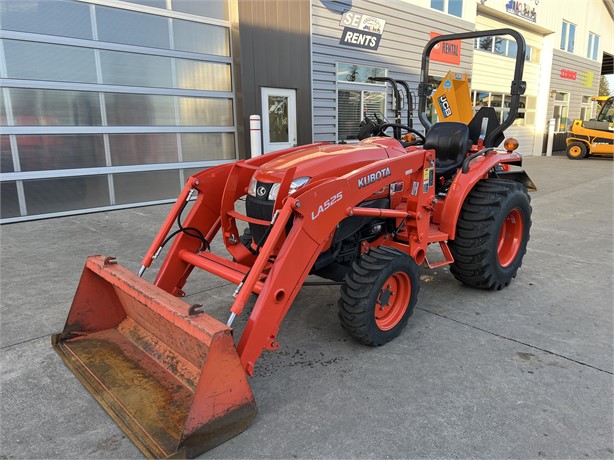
[429, 179]
[414, 188]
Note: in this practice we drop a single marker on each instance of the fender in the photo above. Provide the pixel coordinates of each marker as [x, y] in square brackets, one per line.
[586, 140]
[463, 183]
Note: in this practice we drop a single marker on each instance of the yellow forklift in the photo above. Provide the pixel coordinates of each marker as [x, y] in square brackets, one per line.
[593, 137]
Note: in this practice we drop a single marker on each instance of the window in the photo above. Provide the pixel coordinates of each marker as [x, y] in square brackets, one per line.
[560, 111]
[512, 49]
[606, 112]
[532, 55]
[358, 98]
[504, 47]
[586, 108]
[353, 106]
[437, 5]
[453, 7]
[207, 8]
[499, 45]
[49, 62]
[568, 35]
[60, 17]
[359, 73]
[502, 102]
[131, 28]
[593, 46]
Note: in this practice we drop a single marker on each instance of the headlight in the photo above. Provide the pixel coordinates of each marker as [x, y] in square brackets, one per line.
[251, 188]
[294, 186]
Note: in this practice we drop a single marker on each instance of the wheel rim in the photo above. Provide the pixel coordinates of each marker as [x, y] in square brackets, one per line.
[575, 151]
[392, 301]
[510, 238]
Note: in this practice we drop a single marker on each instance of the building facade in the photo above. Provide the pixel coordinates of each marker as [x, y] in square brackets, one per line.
[563, 63]
[108, 104]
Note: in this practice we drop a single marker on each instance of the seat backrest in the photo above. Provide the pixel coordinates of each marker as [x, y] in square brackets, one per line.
[450, 140]
[475, 125]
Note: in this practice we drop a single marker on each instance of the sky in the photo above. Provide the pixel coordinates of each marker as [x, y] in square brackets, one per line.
[610, 79]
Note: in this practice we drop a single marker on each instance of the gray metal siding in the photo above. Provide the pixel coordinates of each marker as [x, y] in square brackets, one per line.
[576, 88]
[406, 32]
[275, 52]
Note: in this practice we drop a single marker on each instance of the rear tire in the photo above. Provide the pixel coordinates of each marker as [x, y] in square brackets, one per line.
[576, 151]
[379, 295]
[492, 233]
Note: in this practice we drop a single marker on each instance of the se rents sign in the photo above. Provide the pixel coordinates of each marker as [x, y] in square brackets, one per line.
[361, 31]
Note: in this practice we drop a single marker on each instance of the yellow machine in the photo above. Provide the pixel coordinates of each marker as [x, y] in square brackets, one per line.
[593, 137]
[452, 100]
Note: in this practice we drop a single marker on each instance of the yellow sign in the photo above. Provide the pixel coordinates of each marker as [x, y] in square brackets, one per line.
[587, 79]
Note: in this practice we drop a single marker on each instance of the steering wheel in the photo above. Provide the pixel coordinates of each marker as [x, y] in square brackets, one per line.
[420, 137]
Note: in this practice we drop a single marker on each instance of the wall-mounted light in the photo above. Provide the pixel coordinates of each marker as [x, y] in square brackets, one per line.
[553, 94]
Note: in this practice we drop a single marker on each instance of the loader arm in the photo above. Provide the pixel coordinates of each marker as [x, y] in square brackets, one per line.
[214, 187]
[317, 211]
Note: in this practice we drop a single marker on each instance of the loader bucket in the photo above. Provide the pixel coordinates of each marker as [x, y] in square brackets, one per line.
[172, 381]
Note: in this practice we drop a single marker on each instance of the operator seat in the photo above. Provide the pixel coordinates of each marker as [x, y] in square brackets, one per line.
[450, 140]
[485, 116]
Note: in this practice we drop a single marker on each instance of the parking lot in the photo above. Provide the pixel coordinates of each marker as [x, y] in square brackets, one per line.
[526, 372]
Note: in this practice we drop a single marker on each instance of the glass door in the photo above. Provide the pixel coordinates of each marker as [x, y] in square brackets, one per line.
[278, 119]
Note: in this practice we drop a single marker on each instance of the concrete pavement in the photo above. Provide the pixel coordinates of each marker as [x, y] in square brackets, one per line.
[526, 372]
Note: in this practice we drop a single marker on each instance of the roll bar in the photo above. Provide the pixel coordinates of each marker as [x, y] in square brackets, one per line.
[410, 103]
[518, 86]
[397, 97]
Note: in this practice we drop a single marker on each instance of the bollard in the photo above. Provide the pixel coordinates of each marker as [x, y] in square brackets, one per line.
[550, 137]
[255, 135]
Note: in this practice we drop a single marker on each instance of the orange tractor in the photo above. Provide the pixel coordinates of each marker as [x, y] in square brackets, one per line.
[362, 215]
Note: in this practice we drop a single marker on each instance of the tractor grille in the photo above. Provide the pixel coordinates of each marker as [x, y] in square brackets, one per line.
[259, 208]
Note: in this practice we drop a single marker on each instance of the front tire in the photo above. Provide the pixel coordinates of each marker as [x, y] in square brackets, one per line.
[492, 233]
[576, 151]
[379, 295]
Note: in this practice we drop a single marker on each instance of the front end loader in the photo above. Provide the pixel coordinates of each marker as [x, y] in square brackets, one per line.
[362, 215]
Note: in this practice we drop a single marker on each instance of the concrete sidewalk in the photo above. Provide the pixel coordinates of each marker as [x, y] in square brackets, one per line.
[526, 372]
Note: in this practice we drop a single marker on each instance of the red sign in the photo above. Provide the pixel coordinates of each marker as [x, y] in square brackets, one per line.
[568, 74]
[448, 52]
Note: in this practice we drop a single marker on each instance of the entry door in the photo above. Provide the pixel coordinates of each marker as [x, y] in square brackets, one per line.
[278, 119]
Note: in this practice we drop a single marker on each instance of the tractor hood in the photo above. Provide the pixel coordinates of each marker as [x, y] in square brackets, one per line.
[329, 160]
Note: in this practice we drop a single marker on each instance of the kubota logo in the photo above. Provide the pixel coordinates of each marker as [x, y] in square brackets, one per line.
[373, 177]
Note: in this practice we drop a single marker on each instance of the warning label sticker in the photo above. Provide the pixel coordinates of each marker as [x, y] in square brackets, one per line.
[429, 179]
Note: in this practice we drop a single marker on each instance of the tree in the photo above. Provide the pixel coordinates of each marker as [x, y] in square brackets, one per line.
[604, 87]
